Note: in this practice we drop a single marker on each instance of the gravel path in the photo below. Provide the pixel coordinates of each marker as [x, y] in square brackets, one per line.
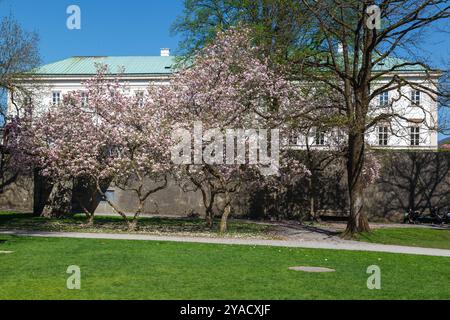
[332, 243]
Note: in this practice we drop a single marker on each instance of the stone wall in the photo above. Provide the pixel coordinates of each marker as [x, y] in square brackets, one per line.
[18, 196]
[408, 180]
[172, 201]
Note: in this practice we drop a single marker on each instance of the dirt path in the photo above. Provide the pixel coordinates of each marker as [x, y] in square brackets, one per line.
[293, 230]
[332, 243]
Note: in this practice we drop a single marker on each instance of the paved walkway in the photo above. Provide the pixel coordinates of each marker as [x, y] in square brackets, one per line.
[333, 245]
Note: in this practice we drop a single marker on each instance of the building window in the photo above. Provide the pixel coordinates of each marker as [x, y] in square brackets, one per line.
[415, 97]
[140, 98]
[415, 135]
[383, 135]
[84, 99]
[384, 99]
[293, 138]
[56, 97]
[340, 136]
[319, 139]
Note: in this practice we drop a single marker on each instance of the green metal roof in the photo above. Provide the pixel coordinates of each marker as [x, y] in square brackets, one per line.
[157, 65]
[129, 64]
[389, 62]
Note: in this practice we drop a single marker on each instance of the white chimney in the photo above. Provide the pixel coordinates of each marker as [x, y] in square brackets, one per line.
[165, 52]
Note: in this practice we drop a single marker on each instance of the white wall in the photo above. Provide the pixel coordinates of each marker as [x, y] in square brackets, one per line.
[408, 115]
[44, 88]
[399, 136]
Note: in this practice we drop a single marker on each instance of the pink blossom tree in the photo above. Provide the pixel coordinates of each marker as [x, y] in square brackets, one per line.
[229, 85]
[103, 133]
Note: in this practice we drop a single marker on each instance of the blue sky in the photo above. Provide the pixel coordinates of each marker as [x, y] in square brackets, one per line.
[135, 27]
[128, 27]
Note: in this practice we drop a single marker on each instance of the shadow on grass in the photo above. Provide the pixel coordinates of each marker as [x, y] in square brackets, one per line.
[311, 228]
[112, 224]
[324, 231]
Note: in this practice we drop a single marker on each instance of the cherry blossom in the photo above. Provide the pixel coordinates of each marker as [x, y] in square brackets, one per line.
[113, 135]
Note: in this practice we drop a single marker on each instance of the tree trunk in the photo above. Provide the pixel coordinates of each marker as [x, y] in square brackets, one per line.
[210, 210]
[42, 189]
[312, 200]
[90, 221]
[89, 214]
[311, 208]
[60, 201]
[208, 197]
[112, 205]
[357, 221]
[209, 218]
[226, 214]
[132, 226]
[134, 222]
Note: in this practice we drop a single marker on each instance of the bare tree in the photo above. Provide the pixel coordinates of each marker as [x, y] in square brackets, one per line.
[352, 56]
[18, 57]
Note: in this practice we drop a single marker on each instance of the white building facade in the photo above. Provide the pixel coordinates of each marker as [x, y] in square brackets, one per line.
[414, 128]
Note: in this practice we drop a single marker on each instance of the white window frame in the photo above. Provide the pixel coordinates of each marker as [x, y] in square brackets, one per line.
[383, 99]
[294, 138]
[416, 97]
[414, 135]
[383, 135]
[140, 97]
[56, 101]
[84, 99]
[319, 138]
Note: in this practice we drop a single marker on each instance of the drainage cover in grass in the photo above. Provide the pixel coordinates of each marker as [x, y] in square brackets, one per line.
[311, 269]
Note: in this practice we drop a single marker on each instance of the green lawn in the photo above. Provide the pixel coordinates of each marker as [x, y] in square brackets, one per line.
[162, 270]
[415, 237]
[147, 225]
